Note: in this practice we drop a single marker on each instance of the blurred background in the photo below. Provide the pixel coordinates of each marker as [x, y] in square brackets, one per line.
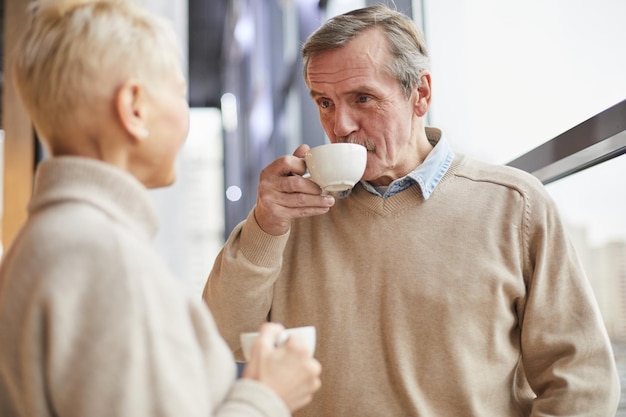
[509, 80]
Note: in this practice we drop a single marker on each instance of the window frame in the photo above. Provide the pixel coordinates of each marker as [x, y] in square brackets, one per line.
[596, 140]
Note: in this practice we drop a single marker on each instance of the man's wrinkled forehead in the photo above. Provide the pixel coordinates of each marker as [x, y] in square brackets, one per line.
[363, 55]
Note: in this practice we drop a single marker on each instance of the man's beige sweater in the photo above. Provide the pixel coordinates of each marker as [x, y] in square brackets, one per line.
[469, 304]
[91, 321]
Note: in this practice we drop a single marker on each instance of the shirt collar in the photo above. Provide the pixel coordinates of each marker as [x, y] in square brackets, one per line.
[428, 174]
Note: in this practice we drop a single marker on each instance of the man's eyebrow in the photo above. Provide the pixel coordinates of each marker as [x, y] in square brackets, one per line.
[314, 93]
[361, 89]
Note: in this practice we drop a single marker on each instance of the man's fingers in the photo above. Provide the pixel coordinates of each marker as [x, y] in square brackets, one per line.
[301, 150]
[284, 167]
[296, 184]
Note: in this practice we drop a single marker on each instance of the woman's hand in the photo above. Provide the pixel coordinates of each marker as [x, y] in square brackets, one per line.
[289, 369]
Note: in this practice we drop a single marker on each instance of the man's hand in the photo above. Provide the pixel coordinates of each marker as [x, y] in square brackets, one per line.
[283, 194]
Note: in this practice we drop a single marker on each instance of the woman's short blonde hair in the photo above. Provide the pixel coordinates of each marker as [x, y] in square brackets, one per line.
[78, 51]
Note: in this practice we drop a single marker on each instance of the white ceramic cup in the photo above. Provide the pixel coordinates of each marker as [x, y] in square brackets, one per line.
[336, 167]
[306, 334]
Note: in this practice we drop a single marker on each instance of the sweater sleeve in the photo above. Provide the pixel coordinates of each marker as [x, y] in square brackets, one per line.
[566, 352]
[250, 398]
[125, 340]
[239, 289]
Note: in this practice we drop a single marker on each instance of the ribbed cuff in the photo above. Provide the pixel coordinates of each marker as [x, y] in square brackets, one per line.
[261, 248]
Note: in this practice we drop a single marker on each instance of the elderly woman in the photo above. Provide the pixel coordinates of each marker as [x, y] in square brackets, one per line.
[91, 321]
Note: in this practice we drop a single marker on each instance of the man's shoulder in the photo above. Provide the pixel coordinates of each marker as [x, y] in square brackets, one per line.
[497, 174]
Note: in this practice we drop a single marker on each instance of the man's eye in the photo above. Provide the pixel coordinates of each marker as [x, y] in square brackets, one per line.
[363, 99]
[324, 104]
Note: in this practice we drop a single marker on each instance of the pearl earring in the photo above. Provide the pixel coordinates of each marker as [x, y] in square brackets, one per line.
[143, 133]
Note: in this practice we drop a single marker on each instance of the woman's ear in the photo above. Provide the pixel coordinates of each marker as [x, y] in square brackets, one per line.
[131, 107]
[422, 98]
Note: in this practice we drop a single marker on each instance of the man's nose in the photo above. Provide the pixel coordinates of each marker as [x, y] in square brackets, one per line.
[345, 121]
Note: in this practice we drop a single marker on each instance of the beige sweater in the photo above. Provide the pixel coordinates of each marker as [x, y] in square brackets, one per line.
[91, 322]
[469, 304]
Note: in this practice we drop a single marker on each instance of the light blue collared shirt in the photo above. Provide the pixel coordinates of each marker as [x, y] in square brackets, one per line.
[428, 174]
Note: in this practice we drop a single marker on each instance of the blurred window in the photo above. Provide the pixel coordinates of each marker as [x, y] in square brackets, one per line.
[593, 205]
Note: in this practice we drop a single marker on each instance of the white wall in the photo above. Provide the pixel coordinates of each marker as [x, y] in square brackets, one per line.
[336, 7]
[510, 75]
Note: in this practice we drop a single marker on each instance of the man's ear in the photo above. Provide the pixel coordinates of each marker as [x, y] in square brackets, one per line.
[423, 96]
[131, 108]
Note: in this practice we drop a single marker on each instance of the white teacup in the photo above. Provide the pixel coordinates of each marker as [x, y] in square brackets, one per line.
[306, 334]
[336, 166]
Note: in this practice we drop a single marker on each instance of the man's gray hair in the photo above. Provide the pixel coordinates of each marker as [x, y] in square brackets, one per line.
[409, 56]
